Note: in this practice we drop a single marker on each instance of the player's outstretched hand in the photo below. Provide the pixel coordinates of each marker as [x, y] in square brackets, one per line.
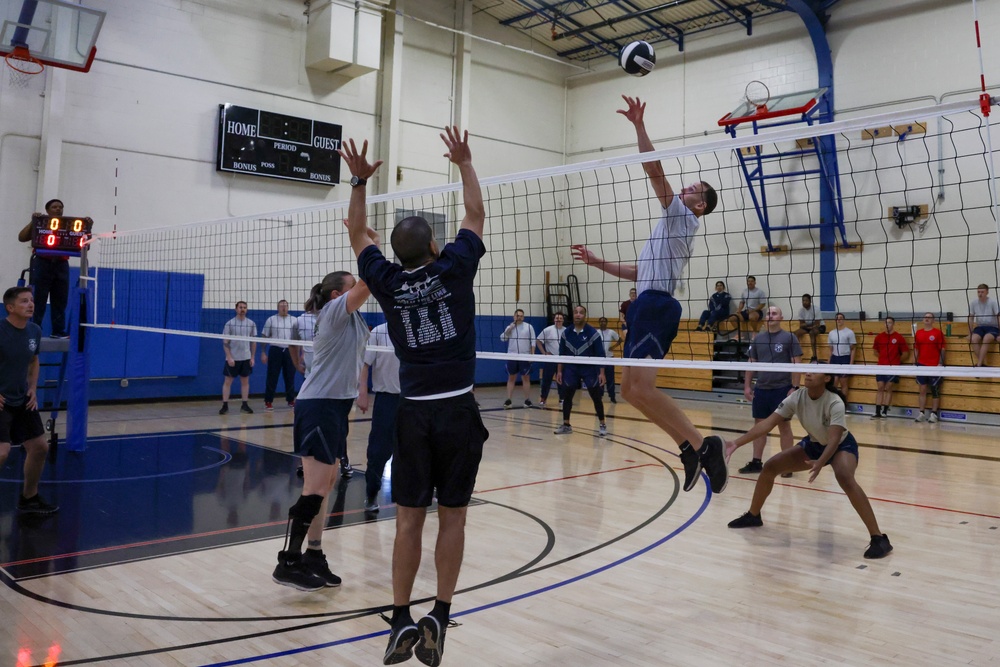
[814, 472]
[729, 449]
[582, 254]
[357, 161]
[635, 110]
[458, 145]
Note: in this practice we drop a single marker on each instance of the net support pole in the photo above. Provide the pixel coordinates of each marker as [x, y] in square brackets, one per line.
[78, 401]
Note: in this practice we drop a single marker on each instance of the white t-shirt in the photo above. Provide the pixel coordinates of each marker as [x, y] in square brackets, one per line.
[305, 329]
[666, 253]
[610, 337]
[841, 341]
[384, 365]
[807, 316]
[549, 338]
[520, 339]
[279, 328]
[816, 415]
[984, 314]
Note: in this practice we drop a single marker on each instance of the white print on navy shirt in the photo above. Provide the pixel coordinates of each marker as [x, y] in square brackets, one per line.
[421, 296]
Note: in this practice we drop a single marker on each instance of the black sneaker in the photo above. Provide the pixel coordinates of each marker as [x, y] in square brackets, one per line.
[754, 466]
[692, 465]
[224, 409]
[346, 471]
[294, 574]
[527, 403]
[401, 642]
[246, 409]
[713, 460]
[430, 648]
[507, 405]
[879, 547]
[747, 521]
[317, 565]
[371, 504]
[35, 506]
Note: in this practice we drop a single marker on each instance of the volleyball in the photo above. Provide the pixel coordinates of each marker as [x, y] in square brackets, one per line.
[637, 58]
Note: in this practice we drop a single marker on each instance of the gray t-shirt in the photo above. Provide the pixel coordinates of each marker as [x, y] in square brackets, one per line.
[807, 315]
[18, 347]
[816, 415]
[662, 260]
[338, 349]
[984, 314]
[279, 328]
[305, 329]
[240, 349]
[774, 348]
[753, 298]
[384, 365]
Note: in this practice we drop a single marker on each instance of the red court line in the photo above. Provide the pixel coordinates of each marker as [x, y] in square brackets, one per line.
[881, 500]
[562, 479]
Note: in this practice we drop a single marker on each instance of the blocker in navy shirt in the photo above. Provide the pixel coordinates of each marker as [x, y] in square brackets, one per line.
[585, 343]
[431, 313]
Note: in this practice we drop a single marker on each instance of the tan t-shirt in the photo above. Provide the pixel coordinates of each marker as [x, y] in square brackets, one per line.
[816, 415]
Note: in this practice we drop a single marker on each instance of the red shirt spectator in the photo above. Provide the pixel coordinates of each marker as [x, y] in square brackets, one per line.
[929, 344]
[890, 348]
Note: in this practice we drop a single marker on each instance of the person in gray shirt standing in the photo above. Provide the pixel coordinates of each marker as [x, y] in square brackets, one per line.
[776, 346]
[240, 355]
[384, 367]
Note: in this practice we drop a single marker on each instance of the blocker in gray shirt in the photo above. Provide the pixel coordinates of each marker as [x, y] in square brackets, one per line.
[338, 348]
[775, 348]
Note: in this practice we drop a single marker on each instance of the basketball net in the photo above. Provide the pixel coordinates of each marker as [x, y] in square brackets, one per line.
[22, 67]
[758, 95]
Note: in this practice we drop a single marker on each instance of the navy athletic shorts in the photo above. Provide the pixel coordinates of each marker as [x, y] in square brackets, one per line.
[814, 450]
[320, 428]
[652, 321]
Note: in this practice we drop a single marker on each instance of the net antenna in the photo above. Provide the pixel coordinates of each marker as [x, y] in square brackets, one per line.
[758, 95]
[22, 67]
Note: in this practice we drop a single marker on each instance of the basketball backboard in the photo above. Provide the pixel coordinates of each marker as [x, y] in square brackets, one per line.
[56, 32]
[789, 104]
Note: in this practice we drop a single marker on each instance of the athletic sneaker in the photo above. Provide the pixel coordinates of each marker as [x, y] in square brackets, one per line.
[541, 404]
[786, 475]
[316, 563]
[933, 418]
[877, 415]
[602, 430]
[753, 467]
[246, 409]
[35, 505]
[747, 521]
[346, 471]
[430, 649]
[268, 407]
[613, 400]
[879, 547]
[713, 460]
[224, 409]
[507, 405]
[401, 642]
[921, 417]
[291, 404]
[293, 573]
[564, 429]
[527, 403]
[692, 465]
[371, 505]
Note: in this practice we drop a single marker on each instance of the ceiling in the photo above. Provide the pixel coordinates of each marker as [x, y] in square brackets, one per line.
[585, 30]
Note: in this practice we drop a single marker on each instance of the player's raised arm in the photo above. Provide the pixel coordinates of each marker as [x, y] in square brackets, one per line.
[582, 254]
[654, 170]
[461, 156]
[357, 213]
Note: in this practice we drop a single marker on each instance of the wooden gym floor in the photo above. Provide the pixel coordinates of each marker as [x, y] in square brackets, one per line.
[580, 550]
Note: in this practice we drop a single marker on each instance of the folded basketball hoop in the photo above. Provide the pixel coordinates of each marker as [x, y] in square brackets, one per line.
[22, 66]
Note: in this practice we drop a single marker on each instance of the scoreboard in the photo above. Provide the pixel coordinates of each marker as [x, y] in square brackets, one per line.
[262, 143]
[61, 236]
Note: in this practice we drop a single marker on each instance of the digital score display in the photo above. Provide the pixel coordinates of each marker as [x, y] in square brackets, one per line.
[59, 235]
[263, 143]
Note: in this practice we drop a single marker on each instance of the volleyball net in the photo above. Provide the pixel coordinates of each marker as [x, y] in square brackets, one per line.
[913, 229]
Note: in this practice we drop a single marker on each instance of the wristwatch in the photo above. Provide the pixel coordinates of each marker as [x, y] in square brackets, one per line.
[355, 181]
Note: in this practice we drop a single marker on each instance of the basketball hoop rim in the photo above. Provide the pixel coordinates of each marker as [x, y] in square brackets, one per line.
[22, 55]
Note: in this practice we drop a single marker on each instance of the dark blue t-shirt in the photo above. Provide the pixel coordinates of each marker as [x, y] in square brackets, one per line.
[586, 343]
[431, 315]
[18, 347]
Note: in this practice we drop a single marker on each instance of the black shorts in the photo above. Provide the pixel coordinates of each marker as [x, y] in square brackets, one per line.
[241, 369]
[19, 425]
[440, 448]
[321, 427]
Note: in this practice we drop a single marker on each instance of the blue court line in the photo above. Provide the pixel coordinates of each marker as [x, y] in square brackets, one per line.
[350, 640]
[226, 456]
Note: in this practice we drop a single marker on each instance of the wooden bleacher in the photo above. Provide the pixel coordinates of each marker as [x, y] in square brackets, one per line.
[964, 394]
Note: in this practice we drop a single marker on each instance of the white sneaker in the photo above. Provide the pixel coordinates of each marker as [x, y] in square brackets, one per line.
[602, 431]
[921, 418]
[933, 418]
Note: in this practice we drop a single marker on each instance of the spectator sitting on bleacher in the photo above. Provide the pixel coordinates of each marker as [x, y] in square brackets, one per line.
[752, 303]
[809, 323]
[984, 324]
[718, 309]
